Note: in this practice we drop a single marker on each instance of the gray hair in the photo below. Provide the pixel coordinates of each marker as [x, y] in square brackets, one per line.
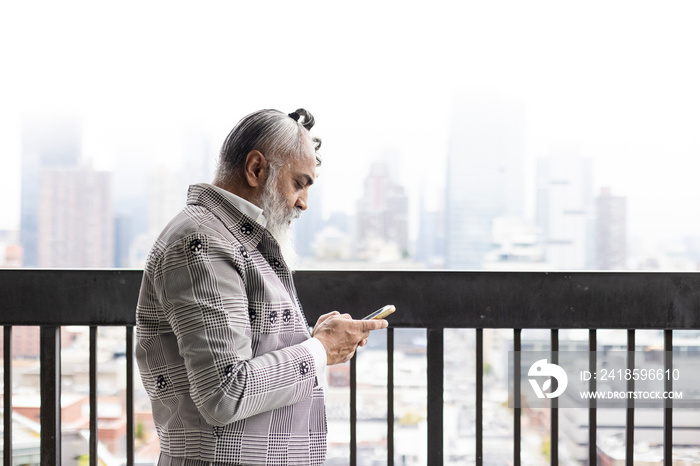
[276, 135]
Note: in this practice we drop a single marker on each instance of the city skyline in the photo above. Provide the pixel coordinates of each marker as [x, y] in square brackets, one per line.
[487, 200]
[651, 217]
[617, 86]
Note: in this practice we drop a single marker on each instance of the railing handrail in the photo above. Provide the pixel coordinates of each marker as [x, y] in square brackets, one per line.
[434, 300]
[424, 299]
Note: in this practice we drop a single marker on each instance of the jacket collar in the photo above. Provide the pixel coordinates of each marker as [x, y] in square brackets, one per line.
[246, 230]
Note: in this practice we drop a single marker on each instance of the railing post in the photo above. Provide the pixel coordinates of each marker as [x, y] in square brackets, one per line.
[93, 395]
[130, 396]
[668, 405]
[7, 397]
[353, 410]
[629, 424]
[390, 396]
[517, 333]
[436, 370]
[554, 418]
[592, 404]
[50, 377]
[479, 396]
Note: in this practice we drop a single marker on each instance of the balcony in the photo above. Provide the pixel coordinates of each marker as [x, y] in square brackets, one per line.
[435, 301]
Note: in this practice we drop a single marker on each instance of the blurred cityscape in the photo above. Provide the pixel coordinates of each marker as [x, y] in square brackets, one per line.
[76, 216]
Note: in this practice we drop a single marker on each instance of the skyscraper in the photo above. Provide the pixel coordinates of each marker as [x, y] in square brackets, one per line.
[48, 141]
[565, 210]
[76, 224]
[311, 221]
[611, 231]
[485, 177]
[382, 214]
[430, 243]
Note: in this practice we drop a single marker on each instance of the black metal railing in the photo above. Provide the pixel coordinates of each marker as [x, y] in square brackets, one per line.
[434, 301]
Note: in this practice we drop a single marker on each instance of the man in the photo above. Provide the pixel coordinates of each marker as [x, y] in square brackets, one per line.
[224, 350]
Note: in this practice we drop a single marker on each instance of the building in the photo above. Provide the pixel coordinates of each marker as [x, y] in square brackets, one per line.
[485, 177]
[611, 231]
[515, 246]
[75, 220]
[310, 224]
[123, 235]
[48, 141]
[10, 249]
[565, 211]
[430, 244]
[382, 217]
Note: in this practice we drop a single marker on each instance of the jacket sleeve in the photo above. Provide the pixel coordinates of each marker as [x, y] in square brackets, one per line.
[205, 302]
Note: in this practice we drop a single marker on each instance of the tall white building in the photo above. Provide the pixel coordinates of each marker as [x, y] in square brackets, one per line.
[485, 177]
[167, 194]
[48, 141]
[611, 231]
[382, 215]
[565, 211]
[516, 246]
[76, 224]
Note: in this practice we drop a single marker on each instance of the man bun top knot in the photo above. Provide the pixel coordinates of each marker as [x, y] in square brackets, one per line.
[304, 117]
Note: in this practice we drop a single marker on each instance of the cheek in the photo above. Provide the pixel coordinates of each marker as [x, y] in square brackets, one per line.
[290, 199]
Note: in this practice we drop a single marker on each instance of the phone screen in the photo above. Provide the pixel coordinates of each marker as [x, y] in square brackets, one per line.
[381, 312]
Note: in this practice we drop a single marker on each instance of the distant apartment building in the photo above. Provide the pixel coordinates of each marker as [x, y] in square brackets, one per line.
[26, 341]
[430, 244]
[310, 224]
[515, 246]
[75, 220]
[485, 177]
[611, 231]
[565, 210]
[167, 194]
[382, 216]
[48, 141]
[10, 249]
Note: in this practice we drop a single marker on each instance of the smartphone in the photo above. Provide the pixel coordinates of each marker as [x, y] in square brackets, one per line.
[381, 312]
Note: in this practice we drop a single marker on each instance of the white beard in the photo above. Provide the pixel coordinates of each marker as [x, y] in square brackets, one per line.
[285, 238]
[279, 218]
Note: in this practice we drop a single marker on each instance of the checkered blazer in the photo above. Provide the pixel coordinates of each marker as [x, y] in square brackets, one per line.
[218, 327]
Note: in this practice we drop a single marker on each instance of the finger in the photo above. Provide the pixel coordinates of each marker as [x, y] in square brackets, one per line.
[363, 342]
[374, 324]
[326, 316]
[345, 316]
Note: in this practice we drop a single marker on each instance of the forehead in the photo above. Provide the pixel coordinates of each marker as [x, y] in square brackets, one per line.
[305, 162]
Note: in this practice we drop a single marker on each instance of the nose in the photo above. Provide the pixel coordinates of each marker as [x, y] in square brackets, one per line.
[302, 202]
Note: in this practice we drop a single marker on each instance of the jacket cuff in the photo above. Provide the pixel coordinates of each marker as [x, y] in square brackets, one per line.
[318, 352]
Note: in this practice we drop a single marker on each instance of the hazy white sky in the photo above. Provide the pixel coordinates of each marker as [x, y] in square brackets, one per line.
[618, 80]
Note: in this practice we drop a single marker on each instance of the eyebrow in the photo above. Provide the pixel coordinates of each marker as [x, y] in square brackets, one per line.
[309, 180]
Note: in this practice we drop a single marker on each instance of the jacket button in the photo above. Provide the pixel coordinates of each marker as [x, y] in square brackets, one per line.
[273, 317]
[161, 383]
[196, 246]
[246, 228]
[304, 368]
[287, 315]
[251, 314]
[244, 253]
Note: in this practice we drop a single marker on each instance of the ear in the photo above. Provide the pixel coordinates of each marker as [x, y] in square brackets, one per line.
[255, 169]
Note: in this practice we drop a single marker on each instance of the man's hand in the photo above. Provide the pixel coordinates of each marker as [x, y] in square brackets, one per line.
[341, 335]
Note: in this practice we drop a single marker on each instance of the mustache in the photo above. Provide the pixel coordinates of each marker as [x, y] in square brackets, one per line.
[295, 213]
